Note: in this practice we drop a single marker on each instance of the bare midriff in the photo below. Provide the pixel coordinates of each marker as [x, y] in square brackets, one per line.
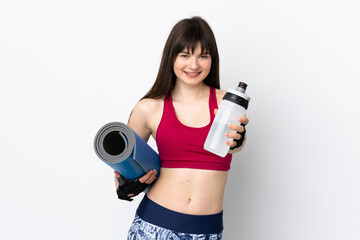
[190, 191]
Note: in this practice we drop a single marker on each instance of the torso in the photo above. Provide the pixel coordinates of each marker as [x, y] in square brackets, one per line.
[190, 191]
[185, 190]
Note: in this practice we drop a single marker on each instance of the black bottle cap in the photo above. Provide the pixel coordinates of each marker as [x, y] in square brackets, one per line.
[242, 85]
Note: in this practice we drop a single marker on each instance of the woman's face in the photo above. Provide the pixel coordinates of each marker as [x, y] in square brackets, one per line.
[192, 67]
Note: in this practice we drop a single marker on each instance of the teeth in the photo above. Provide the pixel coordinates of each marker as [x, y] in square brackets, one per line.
[192, 74]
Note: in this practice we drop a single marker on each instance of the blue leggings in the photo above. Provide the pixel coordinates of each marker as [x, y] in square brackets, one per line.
[154, 222]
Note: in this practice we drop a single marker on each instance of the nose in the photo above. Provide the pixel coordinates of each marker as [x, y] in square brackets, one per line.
[194, 63]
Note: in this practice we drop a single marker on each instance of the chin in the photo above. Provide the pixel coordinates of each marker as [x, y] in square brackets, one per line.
[192, 81]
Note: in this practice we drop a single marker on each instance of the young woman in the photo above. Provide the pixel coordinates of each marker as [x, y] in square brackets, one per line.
[186, 201]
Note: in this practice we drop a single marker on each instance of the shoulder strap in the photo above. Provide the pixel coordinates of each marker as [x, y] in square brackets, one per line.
[167, 101]
[212, 102]
[168, 111]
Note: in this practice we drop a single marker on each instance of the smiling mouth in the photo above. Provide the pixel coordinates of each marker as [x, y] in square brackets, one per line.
[192, 75]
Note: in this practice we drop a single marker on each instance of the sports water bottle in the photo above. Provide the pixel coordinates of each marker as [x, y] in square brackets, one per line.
[233, 106]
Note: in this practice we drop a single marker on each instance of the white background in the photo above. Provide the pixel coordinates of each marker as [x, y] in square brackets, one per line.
[69, 67]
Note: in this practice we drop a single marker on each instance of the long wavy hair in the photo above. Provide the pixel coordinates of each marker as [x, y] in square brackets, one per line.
[186, 34]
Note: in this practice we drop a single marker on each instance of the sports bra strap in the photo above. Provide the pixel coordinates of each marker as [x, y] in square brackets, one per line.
[212, 102]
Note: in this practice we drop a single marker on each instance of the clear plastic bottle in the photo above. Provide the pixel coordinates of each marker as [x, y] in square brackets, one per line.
[233, 106]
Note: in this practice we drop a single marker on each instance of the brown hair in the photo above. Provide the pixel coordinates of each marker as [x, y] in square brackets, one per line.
[185, 34]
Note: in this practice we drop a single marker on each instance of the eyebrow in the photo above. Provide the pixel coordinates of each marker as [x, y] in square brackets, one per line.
[190, 53]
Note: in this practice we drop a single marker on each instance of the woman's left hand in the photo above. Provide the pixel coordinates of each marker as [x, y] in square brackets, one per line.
[240, 129]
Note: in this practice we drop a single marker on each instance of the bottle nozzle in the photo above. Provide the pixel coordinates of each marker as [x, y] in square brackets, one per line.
[242, 85]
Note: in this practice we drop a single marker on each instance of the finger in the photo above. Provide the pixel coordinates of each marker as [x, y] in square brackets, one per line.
[131, 195]
[116, 182]
[146, 176]
[244, 120]
[215, 111]
[117, 174]
[241, 129]
[149, 180]
[236, 127]
[231, 143]
[152, 178]
[233, 135]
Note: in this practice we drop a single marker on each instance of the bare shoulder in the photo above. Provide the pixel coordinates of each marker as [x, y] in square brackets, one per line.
[148, 106]
[219, 95]
[145, 113]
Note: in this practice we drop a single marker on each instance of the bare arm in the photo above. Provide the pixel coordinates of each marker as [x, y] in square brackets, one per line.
[138, 121]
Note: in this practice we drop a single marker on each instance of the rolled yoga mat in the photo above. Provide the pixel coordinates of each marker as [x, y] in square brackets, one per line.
[123, 150]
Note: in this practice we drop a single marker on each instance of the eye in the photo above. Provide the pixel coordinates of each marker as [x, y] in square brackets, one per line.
[183, 55]
[205, 56]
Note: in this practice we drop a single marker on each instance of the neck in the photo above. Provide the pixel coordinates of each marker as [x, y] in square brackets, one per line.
[189, 92]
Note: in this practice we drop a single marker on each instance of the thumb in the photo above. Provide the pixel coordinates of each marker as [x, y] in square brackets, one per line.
[117, 174]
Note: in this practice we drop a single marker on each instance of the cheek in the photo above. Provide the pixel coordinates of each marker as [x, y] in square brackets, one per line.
[207, 65]
[177, 69]
[178, 65]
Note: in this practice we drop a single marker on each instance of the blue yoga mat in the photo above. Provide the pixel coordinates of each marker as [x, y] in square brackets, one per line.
[123, 150]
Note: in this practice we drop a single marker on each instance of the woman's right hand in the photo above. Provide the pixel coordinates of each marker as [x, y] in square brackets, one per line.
[148, 178]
